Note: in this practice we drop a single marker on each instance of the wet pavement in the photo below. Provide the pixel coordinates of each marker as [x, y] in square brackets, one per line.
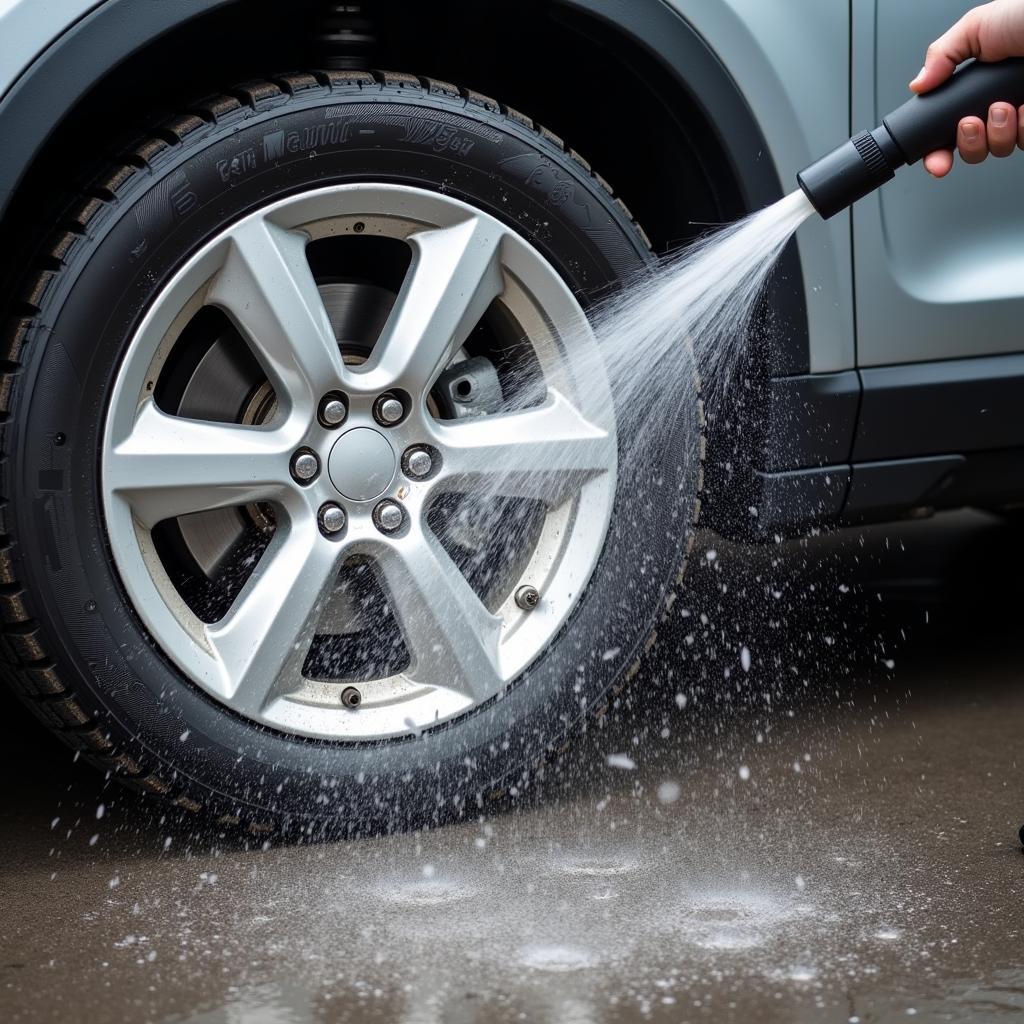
[808, 813]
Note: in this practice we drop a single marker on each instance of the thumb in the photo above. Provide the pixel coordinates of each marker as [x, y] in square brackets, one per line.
[949, 50]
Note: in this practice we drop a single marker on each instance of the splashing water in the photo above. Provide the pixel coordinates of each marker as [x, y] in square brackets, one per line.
[694, 309]
[687, 320]
[689, 316]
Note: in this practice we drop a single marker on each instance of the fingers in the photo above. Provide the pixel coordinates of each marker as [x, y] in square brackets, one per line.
[949, 50]
[975, 139]
[972, 140]
[1002, 129]
[939, 163]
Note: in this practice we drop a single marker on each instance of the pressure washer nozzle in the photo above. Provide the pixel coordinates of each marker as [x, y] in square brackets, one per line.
[922, 125]
[851, 172]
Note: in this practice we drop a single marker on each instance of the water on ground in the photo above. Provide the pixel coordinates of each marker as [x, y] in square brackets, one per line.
[843, 852]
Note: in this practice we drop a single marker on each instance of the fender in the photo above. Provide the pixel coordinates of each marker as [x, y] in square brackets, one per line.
[48, 88]
[695, 67]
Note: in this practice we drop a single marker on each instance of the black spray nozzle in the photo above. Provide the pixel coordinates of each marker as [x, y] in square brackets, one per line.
[922, 125]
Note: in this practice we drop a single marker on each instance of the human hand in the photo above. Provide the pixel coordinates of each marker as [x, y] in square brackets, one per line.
[991, 32]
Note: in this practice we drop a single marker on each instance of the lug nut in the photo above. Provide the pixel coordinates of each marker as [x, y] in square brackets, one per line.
[332, 412]
[388, 516]
[528, 598]
[305, 466]
[418, 463]
[388, 410]
[331, 519]
[351, 697]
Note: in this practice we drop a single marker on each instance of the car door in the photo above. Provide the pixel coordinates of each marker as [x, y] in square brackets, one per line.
[939, 265]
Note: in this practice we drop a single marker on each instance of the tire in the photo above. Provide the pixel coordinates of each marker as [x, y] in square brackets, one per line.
[77, 648]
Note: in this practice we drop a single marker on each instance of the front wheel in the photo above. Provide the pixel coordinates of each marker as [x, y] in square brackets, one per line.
[319, 506]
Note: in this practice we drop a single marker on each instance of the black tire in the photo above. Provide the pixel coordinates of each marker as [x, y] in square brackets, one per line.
[73, 646]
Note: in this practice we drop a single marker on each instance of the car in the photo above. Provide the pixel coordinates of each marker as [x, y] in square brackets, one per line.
[316, 515]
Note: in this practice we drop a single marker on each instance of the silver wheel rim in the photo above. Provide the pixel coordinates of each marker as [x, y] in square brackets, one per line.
[559, 454]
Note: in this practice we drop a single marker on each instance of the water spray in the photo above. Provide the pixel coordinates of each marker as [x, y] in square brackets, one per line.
[922, 125]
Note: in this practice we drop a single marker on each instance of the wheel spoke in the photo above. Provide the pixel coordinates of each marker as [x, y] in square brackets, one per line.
[546, 453]
[451, 637]
[268, 631]
[169, 466]
[456, 274]
[267, 288]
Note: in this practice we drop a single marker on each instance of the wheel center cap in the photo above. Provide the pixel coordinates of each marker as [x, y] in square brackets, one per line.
[362, 464]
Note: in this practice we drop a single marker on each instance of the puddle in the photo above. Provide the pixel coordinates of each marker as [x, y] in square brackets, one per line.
[557, 958]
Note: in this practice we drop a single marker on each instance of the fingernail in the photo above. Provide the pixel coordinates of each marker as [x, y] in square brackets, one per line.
[999, 117]
[970, 132]
[918, 76]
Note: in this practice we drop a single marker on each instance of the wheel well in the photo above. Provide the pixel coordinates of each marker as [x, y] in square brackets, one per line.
[580, 77]
[584, 80]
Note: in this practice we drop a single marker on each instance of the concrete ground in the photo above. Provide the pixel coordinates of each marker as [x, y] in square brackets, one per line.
[819, 824]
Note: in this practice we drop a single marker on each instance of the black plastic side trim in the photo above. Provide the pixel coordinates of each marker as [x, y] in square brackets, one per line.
[889, 490]
[959, 405]
[65, 70]
[812, 420]
[802, 497]
[930, 436]
[884, 490]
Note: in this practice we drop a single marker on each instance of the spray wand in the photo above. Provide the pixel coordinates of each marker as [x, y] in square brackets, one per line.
[922, 125]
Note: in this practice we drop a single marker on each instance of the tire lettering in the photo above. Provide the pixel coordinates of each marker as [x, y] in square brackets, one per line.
[541, 174]
[439, 137]
[273, 146]
[237, 166]
[330, 133]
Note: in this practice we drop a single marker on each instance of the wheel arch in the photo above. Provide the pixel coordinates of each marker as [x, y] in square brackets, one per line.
[654, 58]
